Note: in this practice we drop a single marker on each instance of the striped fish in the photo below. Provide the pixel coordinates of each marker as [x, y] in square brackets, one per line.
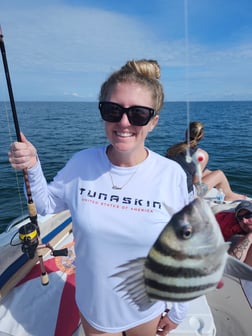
[187, 260]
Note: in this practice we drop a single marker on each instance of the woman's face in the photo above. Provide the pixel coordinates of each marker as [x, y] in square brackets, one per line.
[125, 137]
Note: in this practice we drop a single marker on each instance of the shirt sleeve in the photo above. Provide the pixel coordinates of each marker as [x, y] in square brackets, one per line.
[48, 198]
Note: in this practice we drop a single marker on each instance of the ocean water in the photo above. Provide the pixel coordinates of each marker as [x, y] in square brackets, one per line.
[59, 129]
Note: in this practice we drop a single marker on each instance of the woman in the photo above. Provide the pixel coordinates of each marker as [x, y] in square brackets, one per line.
[120, 197]
[209, 179]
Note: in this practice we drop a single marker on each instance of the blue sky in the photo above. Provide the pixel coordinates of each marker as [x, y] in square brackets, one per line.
[63, 50]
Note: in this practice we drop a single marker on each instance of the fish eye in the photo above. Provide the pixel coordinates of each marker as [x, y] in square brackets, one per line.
[186, 232]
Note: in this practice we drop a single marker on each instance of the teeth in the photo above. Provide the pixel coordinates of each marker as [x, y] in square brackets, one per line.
[124, 134]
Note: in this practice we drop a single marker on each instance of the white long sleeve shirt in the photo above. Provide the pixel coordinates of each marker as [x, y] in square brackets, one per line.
[112, 227]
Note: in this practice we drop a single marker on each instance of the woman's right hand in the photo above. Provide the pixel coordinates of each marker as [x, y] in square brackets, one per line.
[23, 154]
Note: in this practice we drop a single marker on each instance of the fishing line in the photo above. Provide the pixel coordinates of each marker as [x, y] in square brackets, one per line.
[196, 158]
[187, 74]
[188, 154]
[7, 133]
[17, 175]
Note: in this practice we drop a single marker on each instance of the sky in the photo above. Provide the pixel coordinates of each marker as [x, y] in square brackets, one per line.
[63, 50]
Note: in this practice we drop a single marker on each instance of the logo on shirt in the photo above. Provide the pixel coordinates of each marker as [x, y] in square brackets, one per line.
[116, 201]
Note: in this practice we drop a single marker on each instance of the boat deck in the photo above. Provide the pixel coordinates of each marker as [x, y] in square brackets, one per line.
[222, 312]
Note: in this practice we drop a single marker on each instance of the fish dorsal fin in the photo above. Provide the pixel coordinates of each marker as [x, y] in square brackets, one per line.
[133, 283]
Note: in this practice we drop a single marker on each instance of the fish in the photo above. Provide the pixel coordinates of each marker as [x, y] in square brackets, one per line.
[187, 260]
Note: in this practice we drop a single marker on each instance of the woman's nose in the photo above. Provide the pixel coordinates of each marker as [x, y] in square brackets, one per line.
[124, 120]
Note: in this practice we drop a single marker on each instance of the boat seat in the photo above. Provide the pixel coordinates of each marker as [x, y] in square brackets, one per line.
[199, 321]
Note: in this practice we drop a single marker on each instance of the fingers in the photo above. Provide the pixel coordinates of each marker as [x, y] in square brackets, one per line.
[19, 156]
[165, 325]
[163, 331]
[23, 154]
[23, 138]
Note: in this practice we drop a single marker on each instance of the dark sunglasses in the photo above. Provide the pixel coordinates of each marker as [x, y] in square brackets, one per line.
[247, 216]
[137, 115]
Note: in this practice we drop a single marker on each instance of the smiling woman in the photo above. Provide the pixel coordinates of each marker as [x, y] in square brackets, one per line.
[120, 184]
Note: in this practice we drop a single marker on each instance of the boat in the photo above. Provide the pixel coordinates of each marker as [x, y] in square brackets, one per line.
[231, 306]
[22, 275]
[25, 290]
[37, 290]
[27, 302]
[14, 262]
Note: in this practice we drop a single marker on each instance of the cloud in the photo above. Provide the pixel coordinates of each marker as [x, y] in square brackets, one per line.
[68, 44]
[54, 48]
[72, 39]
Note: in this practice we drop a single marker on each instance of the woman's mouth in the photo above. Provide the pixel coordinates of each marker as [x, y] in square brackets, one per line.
[124, 134]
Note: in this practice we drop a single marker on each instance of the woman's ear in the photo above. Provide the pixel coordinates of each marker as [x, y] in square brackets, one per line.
[153, 123]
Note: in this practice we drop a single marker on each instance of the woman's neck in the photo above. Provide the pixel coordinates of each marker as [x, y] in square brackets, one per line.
[126, 159]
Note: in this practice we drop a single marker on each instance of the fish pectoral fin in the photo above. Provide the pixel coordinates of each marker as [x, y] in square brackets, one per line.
[238, 269]
[217, 254]
[133, 284]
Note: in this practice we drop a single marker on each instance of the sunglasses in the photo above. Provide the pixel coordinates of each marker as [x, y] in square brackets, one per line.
[137, 115]
[247, 216]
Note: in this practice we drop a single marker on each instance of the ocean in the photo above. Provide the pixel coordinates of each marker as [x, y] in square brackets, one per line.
[59, 129]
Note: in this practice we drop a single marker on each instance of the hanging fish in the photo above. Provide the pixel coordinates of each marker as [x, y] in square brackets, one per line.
[187, 260]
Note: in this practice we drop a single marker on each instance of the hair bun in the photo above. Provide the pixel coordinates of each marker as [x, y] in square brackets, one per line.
[147, 68]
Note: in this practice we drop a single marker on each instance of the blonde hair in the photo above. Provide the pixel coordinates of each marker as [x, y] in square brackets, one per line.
[196, 133]
[144, 72]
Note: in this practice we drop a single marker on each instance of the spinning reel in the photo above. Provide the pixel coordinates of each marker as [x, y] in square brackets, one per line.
[28, 237]
[29, 241]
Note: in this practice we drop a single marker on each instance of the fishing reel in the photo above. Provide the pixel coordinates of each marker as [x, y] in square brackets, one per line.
[30, 243]
[28, 235]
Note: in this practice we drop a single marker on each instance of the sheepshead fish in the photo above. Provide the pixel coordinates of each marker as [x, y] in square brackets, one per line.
[187, 260]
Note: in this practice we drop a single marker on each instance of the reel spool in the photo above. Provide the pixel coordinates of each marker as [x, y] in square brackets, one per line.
[28, 236]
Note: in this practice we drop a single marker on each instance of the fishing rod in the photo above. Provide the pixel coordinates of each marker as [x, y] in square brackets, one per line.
[29, 234]
[31, 206]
